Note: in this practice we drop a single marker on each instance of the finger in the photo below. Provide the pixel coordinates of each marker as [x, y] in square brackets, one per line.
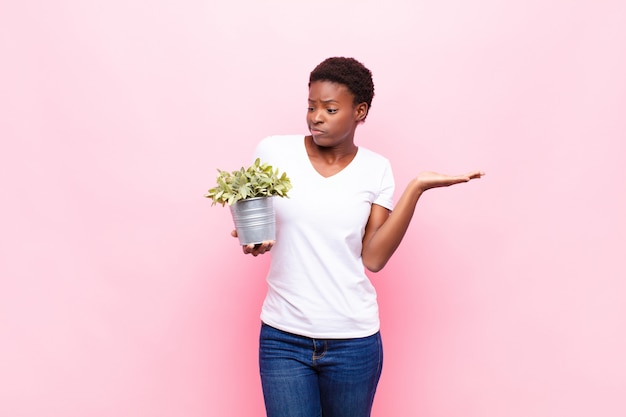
[263, 247]
[233, 233]
[253, 249]
[459, 179]
[258, 248]
[248, 248]
[476, 174]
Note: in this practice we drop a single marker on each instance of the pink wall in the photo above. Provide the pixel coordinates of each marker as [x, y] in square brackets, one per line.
[121, 293]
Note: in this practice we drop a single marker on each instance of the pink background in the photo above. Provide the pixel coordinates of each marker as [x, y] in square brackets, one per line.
[122, 293]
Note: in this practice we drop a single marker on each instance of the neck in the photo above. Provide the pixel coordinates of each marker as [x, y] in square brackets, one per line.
[331, 154]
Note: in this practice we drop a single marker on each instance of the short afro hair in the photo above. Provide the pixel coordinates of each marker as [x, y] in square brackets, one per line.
[349, 72]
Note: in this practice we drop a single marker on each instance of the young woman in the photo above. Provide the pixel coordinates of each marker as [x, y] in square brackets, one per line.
[320, 345]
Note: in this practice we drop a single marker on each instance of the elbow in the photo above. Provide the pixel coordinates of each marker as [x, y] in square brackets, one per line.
[374, 266]
[374, 260]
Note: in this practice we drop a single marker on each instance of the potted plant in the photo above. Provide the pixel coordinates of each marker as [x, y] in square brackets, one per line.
[249, 193]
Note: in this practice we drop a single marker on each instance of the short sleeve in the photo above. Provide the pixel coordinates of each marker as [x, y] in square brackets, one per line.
[387, 188]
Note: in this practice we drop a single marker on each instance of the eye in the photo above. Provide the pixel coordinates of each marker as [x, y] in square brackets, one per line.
[332, 111]
[310, 109]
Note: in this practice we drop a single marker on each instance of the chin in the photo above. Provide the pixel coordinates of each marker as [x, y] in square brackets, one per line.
[325, 143]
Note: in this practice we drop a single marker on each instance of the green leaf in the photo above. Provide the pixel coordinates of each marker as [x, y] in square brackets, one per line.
[257, 180]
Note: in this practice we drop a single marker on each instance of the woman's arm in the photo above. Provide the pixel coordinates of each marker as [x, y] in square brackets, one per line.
[384, 231]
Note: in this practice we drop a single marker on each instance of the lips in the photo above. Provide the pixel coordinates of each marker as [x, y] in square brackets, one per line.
[316, 132]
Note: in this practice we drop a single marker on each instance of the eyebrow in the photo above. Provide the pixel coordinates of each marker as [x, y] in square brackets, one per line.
[326, 101]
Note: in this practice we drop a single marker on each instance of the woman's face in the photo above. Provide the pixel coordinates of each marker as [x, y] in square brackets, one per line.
[332, 116]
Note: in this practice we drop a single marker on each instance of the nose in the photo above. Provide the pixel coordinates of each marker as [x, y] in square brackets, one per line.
[317, 116]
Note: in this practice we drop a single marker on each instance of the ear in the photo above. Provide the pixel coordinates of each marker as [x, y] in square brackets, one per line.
[360, 111]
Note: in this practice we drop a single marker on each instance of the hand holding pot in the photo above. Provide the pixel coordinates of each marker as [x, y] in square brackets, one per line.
[255, 249]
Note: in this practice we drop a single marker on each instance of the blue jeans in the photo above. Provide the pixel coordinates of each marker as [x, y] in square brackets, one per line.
[304, 377]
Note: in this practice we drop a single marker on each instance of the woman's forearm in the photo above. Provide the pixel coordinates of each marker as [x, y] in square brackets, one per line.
[385, 240]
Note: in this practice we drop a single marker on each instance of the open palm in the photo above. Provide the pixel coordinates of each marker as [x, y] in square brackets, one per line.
[427, 180]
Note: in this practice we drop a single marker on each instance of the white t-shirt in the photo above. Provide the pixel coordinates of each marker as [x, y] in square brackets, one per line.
[317, 286]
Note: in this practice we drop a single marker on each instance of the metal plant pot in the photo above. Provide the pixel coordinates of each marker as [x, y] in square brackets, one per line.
[254, 220]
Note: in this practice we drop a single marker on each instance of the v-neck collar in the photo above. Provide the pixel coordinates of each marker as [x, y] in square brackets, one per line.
[308, 159]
